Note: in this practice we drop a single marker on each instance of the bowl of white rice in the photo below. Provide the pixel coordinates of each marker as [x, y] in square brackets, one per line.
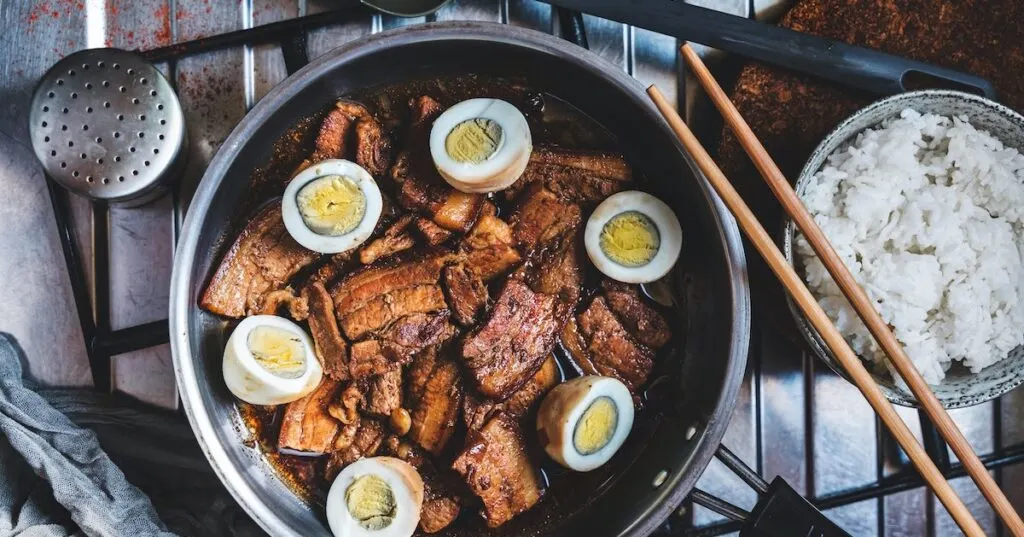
[922, 196]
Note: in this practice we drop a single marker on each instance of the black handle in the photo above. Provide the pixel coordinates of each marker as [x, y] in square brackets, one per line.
[782, 512]
[869, 70]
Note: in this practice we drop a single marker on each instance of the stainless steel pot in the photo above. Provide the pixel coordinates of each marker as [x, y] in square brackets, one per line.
[663, 459]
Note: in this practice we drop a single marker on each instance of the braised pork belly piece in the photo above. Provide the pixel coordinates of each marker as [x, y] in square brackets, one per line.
[284, 300]
[349, 131]
[330, 347]
[476, 409]
[329, 271]
[382, 393]
[431, 233]
[398, 344]
[307, 426]
[537, 299]
[617, 335]
[498, 470]
[262, 259]
[383, 310]
[489, 248]
[420, 187]
[467, 294]
[434, 394]
[366, 441]
[334, 139]
[541, 218]
[636, 314]
[396, 238]
[441, 497]
[576, 176]
[373, 298]
[508, 348]
[611, 350]
[362, 286]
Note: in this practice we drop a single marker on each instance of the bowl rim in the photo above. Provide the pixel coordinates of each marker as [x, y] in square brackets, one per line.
[838, 136]
[181, 300]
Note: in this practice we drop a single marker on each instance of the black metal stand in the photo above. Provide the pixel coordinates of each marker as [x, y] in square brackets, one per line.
[780, 511]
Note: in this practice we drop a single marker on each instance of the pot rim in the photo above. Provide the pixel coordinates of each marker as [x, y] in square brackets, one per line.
[181, 302]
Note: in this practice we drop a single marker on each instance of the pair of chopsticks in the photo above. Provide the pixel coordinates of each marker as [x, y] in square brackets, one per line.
[854, 293]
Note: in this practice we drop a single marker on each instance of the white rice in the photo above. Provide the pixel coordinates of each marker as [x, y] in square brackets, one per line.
[928, 214]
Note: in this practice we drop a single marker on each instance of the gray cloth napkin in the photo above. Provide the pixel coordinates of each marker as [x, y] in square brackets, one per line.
[58, 476]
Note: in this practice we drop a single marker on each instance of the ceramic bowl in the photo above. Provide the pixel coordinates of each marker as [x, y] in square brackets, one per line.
[961, 387]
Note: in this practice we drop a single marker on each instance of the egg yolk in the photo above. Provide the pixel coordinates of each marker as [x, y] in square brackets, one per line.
[474, 140]
[630, 239]
[332, 205]
[371, 502]
[596, 426]
[278, 351]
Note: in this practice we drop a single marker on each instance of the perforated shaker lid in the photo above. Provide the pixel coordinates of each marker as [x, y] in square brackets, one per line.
[106, 124]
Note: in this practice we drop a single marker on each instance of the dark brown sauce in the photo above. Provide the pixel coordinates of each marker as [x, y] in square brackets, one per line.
[552, 122]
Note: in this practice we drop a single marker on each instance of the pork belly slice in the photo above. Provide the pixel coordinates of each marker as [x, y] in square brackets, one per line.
[639, 318]
[421, 188]
[373, 148]
[542, 217]
[497, 468]
[362, 286]
[262, 259]
[610, 350]
[399, 343]
[434, 394]
[432, 233]
[385, 309]
[441, 501]
[349, 131]
[477, 409]
[396, 238]
[382, 393]
[450, 209]
[335, 138]
[489, 248]
[307, 426]
[502, 354]
[467, 294]
[577, 176]
[555, 269]
[330, 347]
[536, 301]
[297, 307]
[366, 441]
[327, 273]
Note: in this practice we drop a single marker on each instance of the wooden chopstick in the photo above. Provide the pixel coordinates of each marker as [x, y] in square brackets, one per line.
[803, 298]
[855, 294]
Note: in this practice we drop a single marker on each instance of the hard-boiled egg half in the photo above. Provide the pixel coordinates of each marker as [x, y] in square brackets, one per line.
[633, 237]
[378, 496]
[269, 360]
[583, 422]
[481, 145]
[331, 206]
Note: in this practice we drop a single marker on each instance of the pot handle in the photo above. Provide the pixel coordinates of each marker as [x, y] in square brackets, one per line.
[780, 510]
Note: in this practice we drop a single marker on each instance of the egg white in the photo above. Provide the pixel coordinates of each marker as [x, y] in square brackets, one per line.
[327, 244]
[503, 167]
[560, 430]
[669, 231]
[250, 382]
[406, 485]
